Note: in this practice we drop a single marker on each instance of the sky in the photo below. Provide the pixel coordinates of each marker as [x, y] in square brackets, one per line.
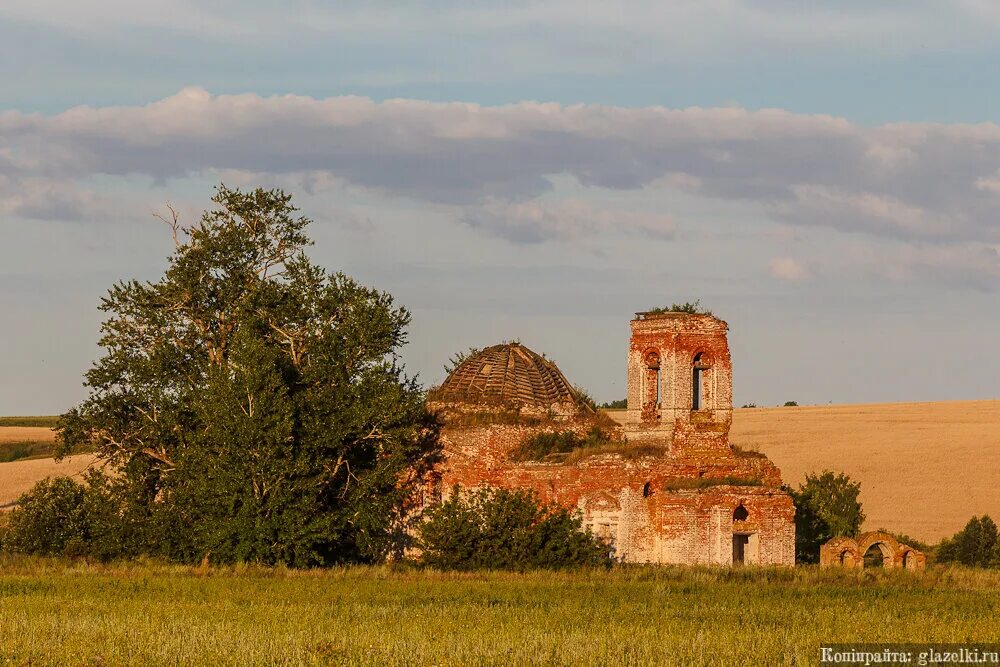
[824, 176]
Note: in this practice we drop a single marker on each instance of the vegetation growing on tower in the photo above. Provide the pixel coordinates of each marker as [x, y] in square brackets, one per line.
[689, 307]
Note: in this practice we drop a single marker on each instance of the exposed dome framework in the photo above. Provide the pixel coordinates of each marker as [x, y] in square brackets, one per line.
[508, 373]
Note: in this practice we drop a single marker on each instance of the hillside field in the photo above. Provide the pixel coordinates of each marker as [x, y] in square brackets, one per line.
[73, 613]
[30, 446]
[26, 434]
[925, 468]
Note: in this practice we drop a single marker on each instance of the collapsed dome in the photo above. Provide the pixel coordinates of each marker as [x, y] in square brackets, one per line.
[508, 373]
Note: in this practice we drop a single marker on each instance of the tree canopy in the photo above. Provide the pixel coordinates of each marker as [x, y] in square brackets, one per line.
[975, 545]
[253, 404]
[826, 506]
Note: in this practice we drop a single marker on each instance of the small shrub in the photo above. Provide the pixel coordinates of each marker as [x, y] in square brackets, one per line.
[502, 529]
[13, 451]
[826, 506]
[620, 404]
[16, 451]
[583, 398]
[101, 518]
[902, 538]
[626, 450]
[501, 416]
[791, 404]
[749, 405]
[541, 445]
[48, 518]
[456, 359]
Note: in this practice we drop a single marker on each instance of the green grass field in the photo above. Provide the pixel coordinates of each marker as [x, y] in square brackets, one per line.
[62, 612]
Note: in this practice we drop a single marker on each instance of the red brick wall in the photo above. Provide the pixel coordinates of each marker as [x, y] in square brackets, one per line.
[633, 498]
[672, 341]
[656, 508]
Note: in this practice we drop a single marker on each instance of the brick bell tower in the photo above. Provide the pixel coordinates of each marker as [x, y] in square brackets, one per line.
[680, 382]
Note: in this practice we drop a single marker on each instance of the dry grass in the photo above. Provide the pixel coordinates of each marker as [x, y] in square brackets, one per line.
[924, 468]
[623, 449]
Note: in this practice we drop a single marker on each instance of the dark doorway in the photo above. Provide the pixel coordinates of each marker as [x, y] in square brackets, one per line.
[740, 543]
[874, 556]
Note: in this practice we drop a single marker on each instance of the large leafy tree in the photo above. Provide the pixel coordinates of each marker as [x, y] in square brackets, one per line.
[253, 404]
[826, 506]
[976, 545]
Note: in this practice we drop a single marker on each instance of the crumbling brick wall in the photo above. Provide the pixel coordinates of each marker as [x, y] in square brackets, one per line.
[666, 352]
[676, 491]
[849, 552]
[636, 503]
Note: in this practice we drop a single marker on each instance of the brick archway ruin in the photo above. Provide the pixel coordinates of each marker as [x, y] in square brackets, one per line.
[850, 552]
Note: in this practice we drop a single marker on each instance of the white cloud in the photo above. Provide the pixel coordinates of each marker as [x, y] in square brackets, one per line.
[989, 183]
[491, 165]
[878, 214]
[786, 268]
[907, 181]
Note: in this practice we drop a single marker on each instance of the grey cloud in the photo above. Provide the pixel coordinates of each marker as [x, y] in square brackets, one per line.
[35, 198]
[913, 182]
[957, 266]
[538, 221]
[659, 30]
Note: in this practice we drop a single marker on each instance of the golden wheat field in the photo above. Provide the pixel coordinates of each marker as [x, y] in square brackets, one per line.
[16, 477]
[924, 468]
[26, 434]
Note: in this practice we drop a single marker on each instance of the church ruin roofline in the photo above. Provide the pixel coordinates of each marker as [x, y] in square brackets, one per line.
[664, 486]
[656, 316]
[508, 373]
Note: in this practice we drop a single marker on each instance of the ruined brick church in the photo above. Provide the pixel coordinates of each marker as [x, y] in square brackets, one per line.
[665, 486]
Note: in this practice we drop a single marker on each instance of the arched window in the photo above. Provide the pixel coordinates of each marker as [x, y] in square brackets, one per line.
[697, 368]
[740, 513]
[652, 398]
